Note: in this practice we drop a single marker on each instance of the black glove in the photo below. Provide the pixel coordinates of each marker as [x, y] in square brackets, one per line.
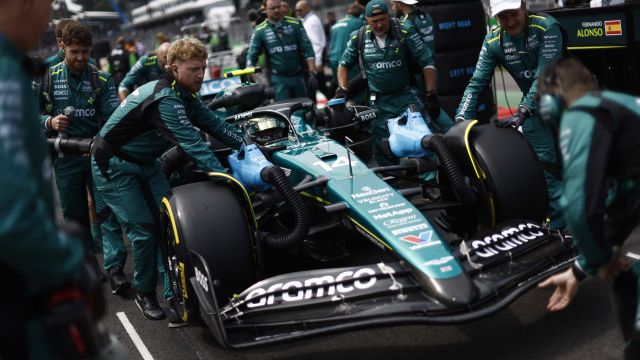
[312, 83]
[517, 120]
[432, 105]
[341, 93]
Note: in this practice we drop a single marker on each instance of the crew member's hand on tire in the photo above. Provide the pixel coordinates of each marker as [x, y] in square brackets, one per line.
[517, 120]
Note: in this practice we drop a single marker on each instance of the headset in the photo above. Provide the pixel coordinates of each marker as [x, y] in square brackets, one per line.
[551, 105]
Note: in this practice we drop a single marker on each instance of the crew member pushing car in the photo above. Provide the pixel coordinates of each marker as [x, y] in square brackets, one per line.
[523, 44]
[386, 56]
[148, 122]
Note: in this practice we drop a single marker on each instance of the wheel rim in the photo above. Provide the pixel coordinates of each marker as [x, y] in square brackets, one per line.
[176, 273]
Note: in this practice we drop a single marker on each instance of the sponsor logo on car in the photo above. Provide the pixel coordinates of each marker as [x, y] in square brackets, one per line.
[507, 240]
[384, 206]
[409, 229]
[393, 213]
[395, 222]
[201, 279]
[421, 241]
[312, 288]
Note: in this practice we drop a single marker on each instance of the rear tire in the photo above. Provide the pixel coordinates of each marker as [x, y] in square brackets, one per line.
[209, 219]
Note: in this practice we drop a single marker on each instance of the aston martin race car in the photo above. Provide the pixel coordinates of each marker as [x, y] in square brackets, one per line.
[307, 238]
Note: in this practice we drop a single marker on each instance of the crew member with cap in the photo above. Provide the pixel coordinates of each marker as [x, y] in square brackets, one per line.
[386, 60]
[523, 44]
[286, 45]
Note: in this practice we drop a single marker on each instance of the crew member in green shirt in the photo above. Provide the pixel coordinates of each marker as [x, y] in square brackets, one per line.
[285, 43]
[523, 45]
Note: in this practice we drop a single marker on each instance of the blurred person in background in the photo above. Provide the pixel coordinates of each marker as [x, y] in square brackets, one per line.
[119, 61]
[340, 35]
[315, 33]
[148, 68]
[58, 57]
[407, 11]
[285, 43]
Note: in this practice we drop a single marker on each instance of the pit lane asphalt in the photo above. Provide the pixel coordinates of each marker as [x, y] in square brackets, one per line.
[525, 330]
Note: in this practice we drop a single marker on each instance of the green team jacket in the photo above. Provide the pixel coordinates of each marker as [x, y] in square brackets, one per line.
[523, 61]
[601, 173]
[340, 34]
[161, 114]
[29, 242]
[387, 69]
[69, 89]
[285, 43]
[145, 69]
[424, 24]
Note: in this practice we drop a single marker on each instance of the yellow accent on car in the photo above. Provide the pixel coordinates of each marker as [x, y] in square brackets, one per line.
[370, 234]
[166, 203]
[479, 173]
[314, 197]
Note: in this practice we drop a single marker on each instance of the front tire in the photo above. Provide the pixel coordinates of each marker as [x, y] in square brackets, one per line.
[207, 218]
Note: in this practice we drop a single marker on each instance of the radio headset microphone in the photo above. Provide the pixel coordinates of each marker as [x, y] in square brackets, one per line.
[68, 111]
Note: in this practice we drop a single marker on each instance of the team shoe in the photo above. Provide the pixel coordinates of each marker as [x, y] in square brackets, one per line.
[148, 305]
[119, 283]
[175, 321]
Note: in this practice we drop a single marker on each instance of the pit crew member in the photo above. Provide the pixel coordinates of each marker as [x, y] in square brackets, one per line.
[156, 116]
[386, 60]
[523, 44]
[286, 45]
[148, 68]
[598, 133]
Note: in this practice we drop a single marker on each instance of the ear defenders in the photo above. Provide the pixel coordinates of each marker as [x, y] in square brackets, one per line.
[551, 106]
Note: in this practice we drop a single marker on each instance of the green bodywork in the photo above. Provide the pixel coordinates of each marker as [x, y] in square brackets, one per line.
[376, 210]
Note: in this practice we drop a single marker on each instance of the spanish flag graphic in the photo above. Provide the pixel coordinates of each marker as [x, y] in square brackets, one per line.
[612, 27]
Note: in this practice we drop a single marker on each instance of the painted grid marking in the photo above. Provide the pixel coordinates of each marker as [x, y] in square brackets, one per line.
[146, 355]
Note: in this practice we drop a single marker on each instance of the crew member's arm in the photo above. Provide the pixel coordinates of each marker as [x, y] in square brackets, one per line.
[348, 60]
[586, 147]
[214, 125]
[306, 48]
[479, 81]
[429, 37]
[177, 128]
[550, 49]
[255, 46]
[317, 38]
[421, 54]
[132, 78]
